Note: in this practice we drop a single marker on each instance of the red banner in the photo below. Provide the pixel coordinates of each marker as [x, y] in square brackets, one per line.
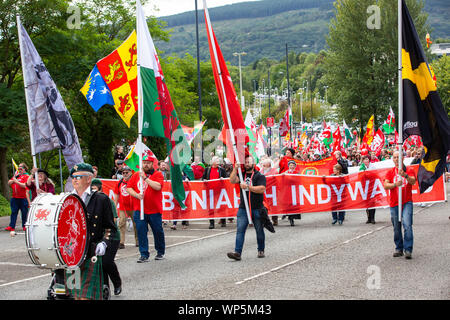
[288, 194]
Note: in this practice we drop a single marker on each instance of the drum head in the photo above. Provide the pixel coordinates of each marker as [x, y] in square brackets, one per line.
[72, 231]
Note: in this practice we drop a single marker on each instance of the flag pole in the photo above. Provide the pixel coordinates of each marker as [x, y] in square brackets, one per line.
[140, 114]
[400, 105]
[25, 82]
[230, 126]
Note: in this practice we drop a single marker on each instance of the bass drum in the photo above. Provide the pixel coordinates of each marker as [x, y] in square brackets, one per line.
[56, 231]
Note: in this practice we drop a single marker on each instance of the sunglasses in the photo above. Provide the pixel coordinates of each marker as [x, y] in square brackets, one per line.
[80, 176]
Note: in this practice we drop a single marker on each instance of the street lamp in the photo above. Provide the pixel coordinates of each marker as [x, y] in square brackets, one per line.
[240, 76]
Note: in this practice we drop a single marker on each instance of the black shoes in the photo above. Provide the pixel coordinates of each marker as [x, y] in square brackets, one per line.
[117, 290]
[408, 255]
[234, 255]
[159, 257]
[397, 253]
[142, 259]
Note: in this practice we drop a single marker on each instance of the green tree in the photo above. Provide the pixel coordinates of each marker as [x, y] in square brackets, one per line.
[13, 120]
[441, 68]
[361, 67]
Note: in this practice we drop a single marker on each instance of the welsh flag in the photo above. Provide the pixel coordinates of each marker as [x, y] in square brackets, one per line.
[389, 124]
[326, 136]
[286, 122]
[159, 118]
[348, 135]
[256, 147]
[132, 158]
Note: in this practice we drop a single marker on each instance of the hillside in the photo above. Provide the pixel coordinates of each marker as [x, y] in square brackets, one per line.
[262, 28]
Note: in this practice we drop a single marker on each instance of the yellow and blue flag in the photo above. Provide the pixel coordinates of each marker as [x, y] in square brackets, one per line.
[96, 91]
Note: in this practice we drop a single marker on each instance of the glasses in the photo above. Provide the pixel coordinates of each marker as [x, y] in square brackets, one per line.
[80, 176]
[127, 172]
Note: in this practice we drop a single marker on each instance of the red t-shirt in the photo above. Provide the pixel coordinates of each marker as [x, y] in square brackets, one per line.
[17, 191]
[392, 176]
[125, 200]
[214, 173]
[152, 198]
[284, 163]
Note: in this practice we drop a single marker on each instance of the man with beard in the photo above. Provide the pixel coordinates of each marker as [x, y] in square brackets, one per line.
[153, 182]
[404, 178]
[254, 185]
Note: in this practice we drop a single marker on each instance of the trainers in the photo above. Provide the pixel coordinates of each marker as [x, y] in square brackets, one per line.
[142, 259]
[9, 229]
[261, 254]
[408, 255]
[334, 222]
[234, 255]
[397, 253]
[159, 257]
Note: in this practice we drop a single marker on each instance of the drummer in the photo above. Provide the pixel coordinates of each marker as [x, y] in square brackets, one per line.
[101, 228]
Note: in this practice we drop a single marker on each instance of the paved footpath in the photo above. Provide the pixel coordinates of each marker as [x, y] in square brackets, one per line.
[312, 260]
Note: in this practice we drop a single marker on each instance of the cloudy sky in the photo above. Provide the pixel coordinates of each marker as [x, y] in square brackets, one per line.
[169, 7]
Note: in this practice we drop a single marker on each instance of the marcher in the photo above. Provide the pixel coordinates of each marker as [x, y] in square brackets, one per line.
[268, 169]
[45, 184]
[110, 270]
[124, 204]
[337, 216]
[211, 173]
[254, 185]
[405, 178]
[343, 162]
[292, 170]
[283, 164]
[19, 199]
[365, 165]
[101, 228]
[116, 172]
[153, 182]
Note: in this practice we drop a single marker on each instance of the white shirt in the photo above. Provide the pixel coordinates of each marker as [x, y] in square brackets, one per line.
[85, 194]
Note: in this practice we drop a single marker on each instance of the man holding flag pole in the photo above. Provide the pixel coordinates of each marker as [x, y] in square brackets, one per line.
[420, 113]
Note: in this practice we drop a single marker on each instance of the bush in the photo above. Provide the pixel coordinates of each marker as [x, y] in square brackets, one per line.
[5, 209]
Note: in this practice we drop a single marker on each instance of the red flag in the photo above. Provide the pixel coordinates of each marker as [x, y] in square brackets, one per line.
[229, 104]
[284, 125]
[378, 142]
[336, 140]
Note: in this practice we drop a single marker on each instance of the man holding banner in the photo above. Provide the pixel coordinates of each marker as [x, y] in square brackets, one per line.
[404, 178]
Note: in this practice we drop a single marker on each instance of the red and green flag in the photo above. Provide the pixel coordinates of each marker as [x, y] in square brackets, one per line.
[159, 118]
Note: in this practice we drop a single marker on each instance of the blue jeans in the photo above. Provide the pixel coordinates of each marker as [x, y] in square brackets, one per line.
[242, 223]
[16, 205]
[405, 241]
[339, 217]
[155, 222]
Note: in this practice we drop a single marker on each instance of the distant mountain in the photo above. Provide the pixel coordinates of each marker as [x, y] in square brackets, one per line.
[262, 28]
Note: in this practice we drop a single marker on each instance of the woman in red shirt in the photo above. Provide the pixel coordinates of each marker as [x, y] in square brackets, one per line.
[19, 198]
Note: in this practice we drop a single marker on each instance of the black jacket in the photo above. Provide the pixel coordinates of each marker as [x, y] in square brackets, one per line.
[100, 221]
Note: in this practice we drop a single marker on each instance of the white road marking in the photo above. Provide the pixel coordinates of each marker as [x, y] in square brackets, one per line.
[23, 280]
[17, 264]
[322, 251]
[309, 256]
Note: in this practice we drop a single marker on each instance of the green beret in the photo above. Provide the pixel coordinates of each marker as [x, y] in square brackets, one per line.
[202, 165]
[81, 167]
[96, 182]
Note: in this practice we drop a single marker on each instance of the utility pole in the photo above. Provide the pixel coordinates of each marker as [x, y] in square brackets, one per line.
[199, 88]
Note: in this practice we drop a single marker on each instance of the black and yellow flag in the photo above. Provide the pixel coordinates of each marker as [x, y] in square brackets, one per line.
[423, 112]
